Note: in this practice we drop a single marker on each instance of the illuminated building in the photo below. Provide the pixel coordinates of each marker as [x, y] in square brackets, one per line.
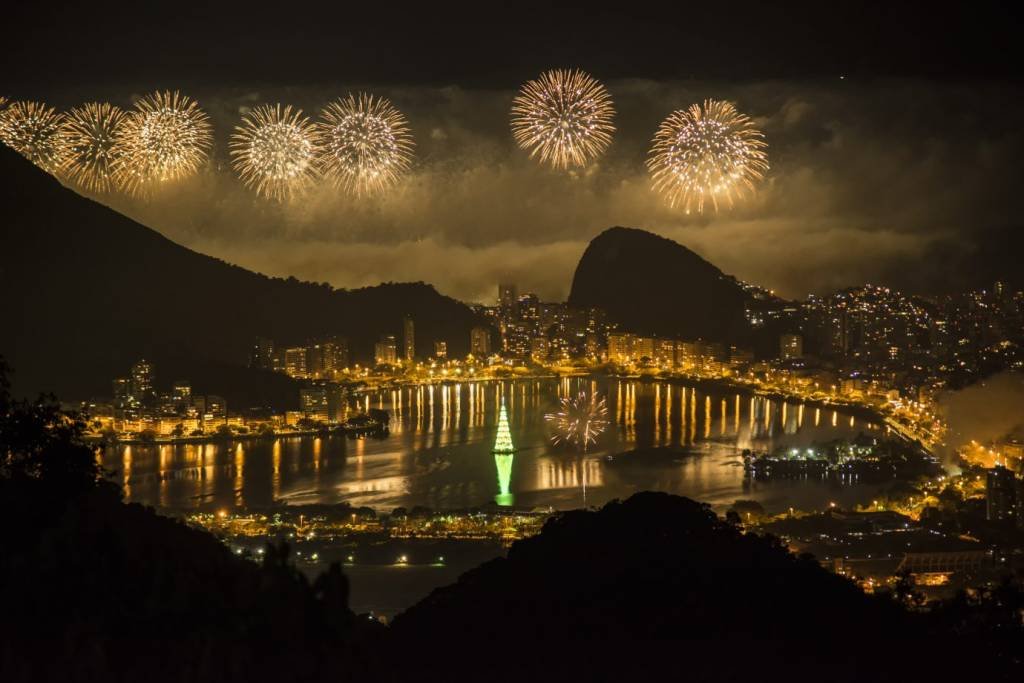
[122, 390]
[314, 403]
[333, 356]
[791, 347]
[295, 361]
[621, 347]
[314, 361]
[142, 381]
[540, 349]
[665, 351]
[644, 348]
[1002, 490]
[409, 338]
[480, 342]
[740, 358]
[440, 350]
[181, 390]
[386, 350]
[216, 406]
[181, 396]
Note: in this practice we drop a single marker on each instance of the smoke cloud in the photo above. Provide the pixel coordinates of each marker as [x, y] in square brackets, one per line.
[901, 183]
[989, 410]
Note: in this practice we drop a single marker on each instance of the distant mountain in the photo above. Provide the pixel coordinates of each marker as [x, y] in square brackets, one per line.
[87, 291]
[652, 285]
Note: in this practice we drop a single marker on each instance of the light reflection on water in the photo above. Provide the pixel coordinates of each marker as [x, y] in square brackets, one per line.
[438, 453]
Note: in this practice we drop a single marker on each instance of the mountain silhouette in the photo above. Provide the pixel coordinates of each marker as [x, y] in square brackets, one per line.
[657, 586]
[652, 285]
[88, 291]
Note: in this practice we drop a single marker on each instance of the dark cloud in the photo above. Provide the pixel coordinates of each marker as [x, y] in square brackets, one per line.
[881, 181]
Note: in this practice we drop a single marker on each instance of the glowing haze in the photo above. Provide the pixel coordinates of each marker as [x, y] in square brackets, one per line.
[859, 189]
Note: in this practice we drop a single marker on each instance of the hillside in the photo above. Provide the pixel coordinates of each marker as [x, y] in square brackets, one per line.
[652, 285]
[88, 291]
[658, 587]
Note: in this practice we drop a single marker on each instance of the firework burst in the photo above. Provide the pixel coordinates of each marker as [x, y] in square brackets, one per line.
[90, 135]
[563, 118]
[274, 151]
[707, 153]
[165, 138]
[366, 142]
[34, 130]
[579, 421]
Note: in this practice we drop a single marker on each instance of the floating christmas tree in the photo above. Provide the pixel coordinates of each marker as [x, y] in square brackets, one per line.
[503, 442]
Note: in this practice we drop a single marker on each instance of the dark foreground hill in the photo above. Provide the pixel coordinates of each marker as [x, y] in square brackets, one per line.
[652, 285]
[92, 589]
[658, 585]
[87, 291]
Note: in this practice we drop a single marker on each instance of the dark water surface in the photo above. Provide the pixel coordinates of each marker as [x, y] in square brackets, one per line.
[438, 453]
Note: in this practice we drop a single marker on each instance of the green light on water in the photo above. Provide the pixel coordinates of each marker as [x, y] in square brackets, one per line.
[503, 463]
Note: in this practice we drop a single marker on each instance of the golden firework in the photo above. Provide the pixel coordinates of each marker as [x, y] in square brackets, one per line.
[274, 151]
[34, 130]
[564, 118]
[580, 420]
[3, 105]
[90, 134]
[707, 153]
[166, 137]
[366, 143]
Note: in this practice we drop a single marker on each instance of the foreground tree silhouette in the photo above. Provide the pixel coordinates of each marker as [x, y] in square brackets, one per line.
[94, 589]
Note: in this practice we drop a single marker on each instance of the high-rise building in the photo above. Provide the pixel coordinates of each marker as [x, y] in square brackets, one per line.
[440, 350]
[313, 403]
[791, 347]
[142, 381]
[1001, 491]
[295, 361]
[122, 390]
[409, 338]
[217, 406]
[181, 394]
[480, 342]
[508, 296]
[540, 349]
[322, 402]
[386, 350]
[333, 353]
[621, 347]
[262, 355]
[665, 351]
[314, 360]
[644, 348]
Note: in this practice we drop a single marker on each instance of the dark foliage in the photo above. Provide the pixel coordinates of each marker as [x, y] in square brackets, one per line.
[84, 282]
[92, 589]
[659, 585]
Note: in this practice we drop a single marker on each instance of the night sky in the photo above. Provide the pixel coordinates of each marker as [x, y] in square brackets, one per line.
[895, 134]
